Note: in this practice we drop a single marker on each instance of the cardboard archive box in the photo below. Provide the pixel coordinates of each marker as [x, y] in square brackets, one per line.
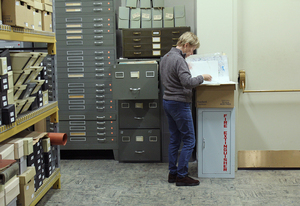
[47, 18]
[18, 147]
[135, 18]
[168, 17]
[2, 201]
[37, 15]
[26, 195]
[215, 96]
[146, 18]
[12, 189]
[15, 13]
[123, 21]
[157, 18]
[7, 151]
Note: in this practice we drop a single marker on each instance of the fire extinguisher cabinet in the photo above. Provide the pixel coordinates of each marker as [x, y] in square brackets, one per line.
[216, 142]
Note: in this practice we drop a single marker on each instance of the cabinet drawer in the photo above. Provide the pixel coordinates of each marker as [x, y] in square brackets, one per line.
[82, 3]
[77, 10]
[99, 28]
[139, 114]
[140, 145]
[85, 19]
[135, 81]
[82, 31]
[144, 53]
[88, 115]
[83, 43]
[106, 53]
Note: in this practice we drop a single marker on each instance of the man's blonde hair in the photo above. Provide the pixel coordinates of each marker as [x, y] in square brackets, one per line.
[188, 37]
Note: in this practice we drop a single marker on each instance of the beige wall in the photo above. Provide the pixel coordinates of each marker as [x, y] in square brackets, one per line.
[262, 38]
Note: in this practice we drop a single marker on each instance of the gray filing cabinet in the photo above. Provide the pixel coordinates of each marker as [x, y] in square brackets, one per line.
[216, 142]
[135, 86]
[86, 50]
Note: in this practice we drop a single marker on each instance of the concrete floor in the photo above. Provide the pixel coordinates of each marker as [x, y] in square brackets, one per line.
[108, 182]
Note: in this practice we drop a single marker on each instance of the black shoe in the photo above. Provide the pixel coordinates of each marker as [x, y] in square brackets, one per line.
[172, 178]
[186, 181]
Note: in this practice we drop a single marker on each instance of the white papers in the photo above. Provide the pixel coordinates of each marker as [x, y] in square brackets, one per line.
[204, 67]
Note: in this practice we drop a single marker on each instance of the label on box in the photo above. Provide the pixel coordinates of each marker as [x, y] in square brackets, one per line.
[12, 119]
[12, 114]
[5, 103]
[4, 80]
[17, 3]
[145, 16]
[3, 98]
[169, 15]
[156, 17]
[5, 86]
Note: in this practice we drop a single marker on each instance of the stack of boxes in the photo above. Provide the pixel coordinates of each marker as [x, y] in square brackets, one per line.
[10, 189]
[150, 14]
[23, 85]
[7, 106]
[36, 160]
[30, 14]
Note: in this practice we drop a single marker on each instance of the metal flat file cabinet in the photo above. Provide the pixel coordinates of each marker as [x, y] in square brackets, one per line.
[135, 81]
[216, 142]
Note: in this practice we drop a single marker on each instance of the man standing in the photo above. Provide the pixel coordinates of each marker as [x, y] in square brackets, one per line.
[178, 83]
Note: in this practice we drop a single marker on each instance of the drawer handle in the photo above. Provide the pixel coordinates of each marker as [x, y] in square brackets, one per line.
[98, 25]
[98, 37]
[100, 102]
[98, 19]
[98, 42]
[99, 70]
[137, 46]
[98, 9]
[101, 128]
[137, 33]
[135, 89]
[175, 32]
[101, 140]
[139, 151]
[137, 53]
[138, 118]
[97, 4]
[175, 39]
[100, 91]
[136, 39]
[99, 52]
[99, 58]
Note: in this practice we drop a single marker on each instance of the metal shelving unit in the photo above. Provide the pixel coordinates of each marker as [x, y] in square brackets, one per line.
[30, 118]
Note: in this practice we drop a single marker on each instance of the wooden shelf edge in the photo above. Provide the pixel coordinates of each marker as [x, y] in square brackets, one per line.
[27, 119]
[28, 35]
[46, 186]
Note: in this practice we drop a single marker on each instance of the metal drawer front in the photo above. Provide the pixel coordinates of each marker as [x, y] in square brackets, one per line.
[87, 52]
[88, 115]
[84, 83]
[139, 114]
[81, 3]
[78, 43]
[85, 19]
[135, 81]
[72, 58]
[139, 145]
[105, 28]
[83, 10]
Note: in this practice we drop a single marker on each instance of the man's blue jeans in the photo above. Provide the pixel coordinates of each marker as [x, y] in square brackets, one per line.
[181, 128]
